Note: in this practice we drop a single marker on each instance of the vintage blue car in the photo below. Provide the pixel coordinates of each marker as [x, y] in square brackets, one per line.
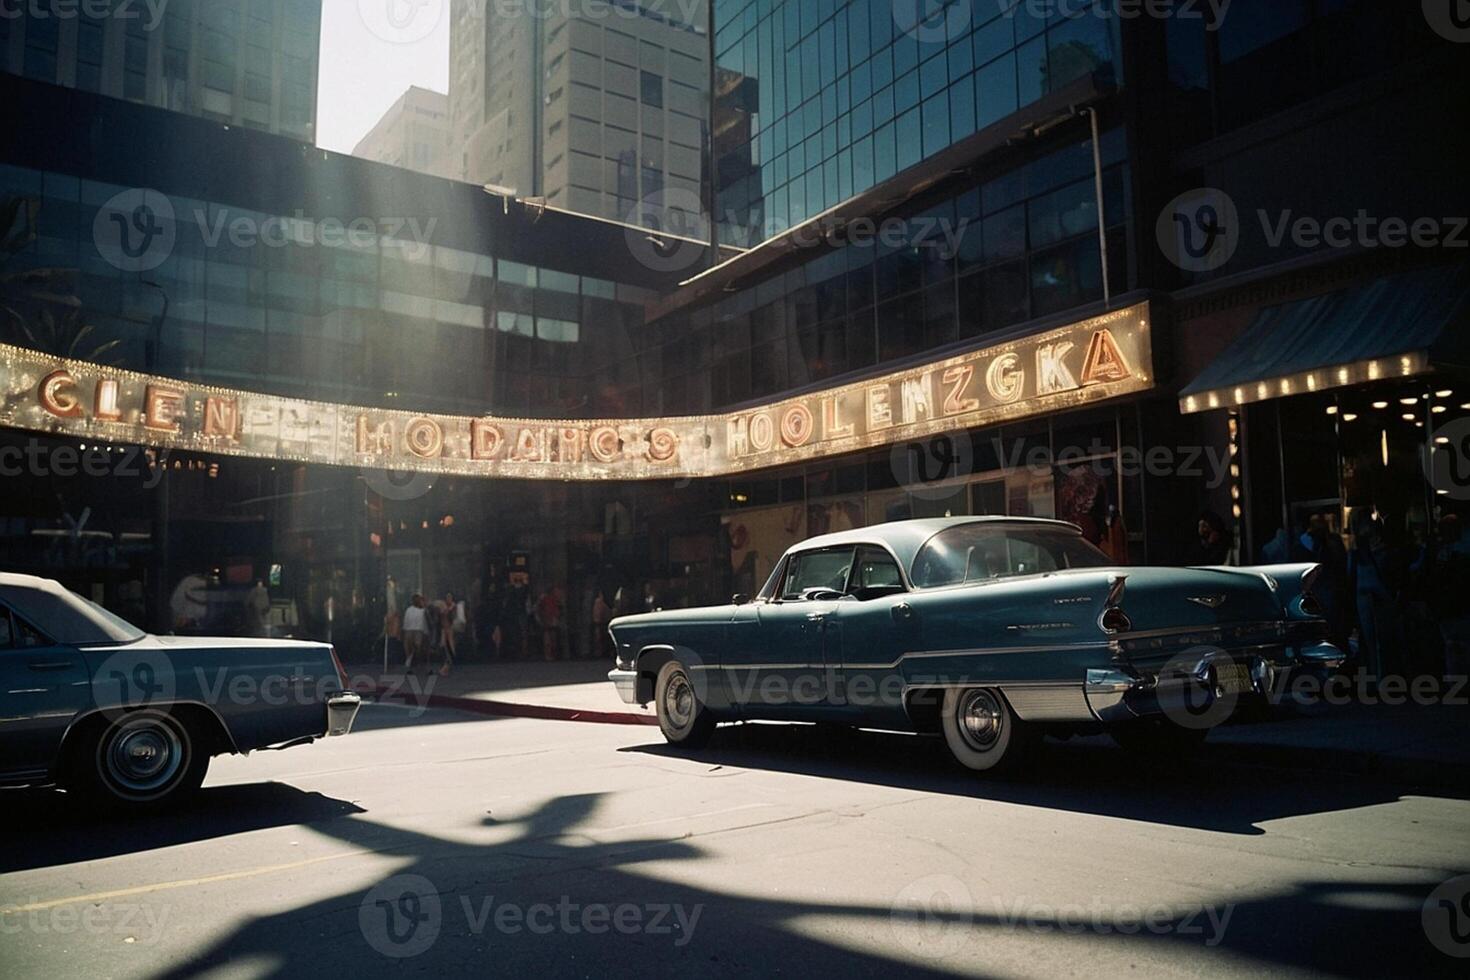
[121, 717]
[990, 630]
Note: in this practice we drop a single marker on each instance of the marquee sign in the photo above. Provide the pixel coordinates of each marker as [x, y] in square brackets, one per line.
[1085, 362]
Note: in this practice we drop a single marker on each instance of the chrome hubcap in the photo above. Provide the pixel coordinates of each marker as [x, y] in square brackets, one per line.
[679, 701]
[981, 719]
[143, 756]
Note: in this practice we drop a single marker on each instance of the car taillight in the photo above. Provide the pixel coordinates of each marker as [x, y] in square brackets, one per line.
[341, 673]
[1115, 620]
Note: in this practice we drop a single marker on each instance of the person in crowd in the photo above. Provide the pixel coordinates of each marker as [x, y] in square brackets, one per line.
[513, 617]
[446, 611]
[1213, 547]
[548, 616]
[415, 632]
[258, 610]
[491, 613]
[650, 598]
[1277, 551]
[1375, 584]
[601, 615]
[1448, 598]
[1320, 544]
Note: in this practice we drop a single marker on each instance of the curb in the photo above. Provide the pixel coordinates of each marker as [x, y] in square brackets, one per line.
[511, 709]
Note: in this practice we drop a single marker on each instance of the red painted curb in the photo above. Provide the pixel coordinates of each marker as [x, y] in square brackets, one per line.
[510, 709]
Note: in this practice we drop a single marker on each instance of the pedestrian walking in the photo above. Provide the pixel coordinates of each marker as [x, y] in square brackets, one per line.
[415, 632]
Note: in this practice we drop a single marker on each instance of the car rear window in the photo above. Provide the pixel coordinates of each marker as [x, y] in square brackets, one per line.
[980, 552]
[68, 618]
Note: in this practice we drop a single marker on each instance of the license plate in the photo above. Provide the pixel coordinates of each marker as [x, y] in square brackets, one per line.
[1233, 679]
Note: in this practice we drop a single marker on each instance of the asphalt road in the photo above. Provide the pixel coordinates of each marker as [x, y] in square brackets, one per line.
[448, 844]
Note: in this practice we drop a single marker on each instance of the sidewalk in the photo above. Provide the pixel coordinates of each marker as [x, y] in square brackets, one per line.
[1427, 744]
[565, 690]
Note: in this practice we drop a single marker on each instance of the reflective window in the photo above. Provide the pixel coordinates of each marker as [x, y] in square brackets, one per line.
[980, 552]
[826, 569]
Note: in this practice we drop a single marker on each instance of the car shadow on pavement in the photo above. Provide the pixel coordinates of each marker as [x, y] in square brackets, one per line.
[1081, 776]
[58, 831]
[443, 911]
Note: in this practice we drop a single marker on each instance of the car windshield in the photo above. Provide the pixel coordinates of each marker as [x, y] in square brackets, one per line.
[68, 618]
[983, 552]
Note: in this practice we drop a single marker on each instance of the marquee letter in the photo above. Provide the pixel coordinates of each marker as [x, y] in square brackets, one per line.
[161, 407]
[56, 395]
[1052, 374]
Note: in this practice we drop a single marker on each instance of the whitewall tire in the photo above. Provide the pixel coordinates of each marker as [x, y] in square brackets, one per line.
[982, 732]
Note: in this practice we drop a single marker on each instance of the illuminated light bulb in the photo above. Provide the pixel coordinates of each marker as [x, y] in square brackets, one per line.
[1383, 446]
[1408, 416]
[1411, 400]
[1349, 416]
[1444, 393]
[1236, 511]
[1442, 440]
[1380, 405]
[1331, 409]
[1439, 409]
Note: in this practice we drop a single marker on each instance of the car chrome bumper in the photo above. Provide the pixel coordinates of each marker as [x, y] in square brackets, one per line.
[1115, 695]
[626, 681]
[341, 712]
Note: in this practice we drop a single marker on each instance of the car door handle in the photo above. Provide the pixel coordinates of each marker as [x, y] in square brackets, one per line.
[49, 664]
[903, 612]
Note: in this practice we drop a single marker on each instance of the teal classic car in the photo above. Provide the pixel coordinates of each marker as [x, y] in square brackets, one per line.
[992, 631]
[123, 718]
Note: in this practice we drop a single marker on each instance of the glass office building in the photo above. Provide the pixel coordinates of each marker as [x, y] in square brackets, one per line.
[818, 102]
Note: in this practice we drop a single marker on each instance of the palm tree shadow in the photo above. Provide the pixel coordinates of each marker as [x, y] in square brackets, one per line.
[525, 904]
[538, 899]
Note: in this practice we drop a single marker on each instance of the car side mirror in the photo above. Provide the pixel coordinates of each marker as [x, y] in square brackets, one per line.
[739, 599]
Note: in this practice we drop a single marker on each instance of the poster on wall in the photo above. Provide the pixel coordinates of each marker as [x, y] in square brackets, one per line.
[758, 539]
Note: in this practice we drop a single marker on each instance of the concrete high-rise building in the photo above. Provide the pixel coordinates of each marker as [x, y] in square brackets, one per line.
[593, 106]
[244, 62]
[414, 133]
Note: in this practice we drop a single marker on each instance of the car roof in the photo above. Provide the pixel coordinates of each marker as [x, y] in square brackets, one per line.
[904, 538]
[18, 580]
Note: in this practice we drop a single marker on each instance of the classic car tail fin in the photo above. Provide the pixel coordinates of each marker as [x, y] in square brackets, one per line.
[1113, 618]
[341, 671]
